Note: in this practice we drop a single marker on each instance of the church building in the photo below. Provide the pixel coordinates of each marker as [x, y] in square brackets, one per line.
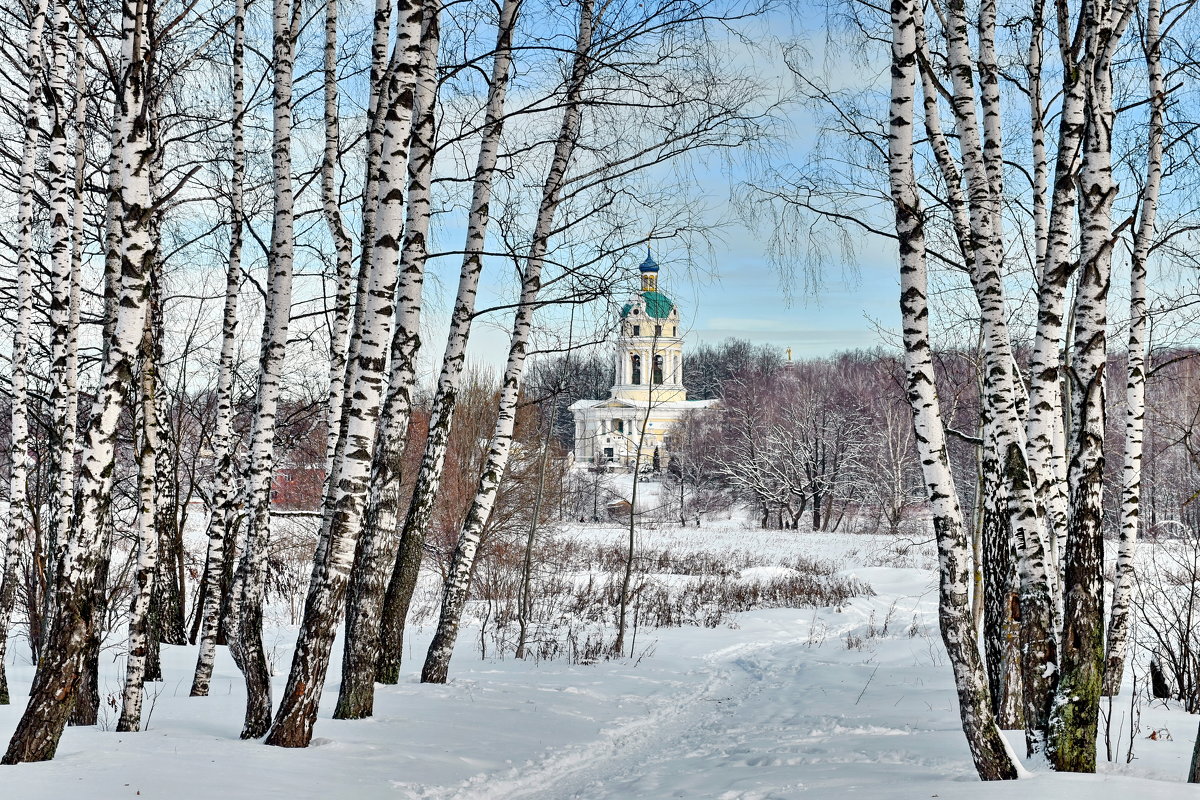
[648, 388]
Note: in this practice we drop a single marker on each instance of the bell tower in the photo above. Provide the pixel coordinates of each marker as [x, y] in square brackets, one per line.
[649, 366]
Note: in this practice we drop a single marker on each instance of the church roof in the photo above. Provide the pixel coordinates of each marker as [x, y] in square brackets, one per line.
[658, 305]
[649, 264]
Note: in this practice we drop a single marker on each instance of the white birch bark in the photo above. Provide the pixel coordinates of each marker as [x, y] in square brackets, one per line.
[87, 702]
[342, 246]
[377, 543]
[991, 756]
[18, 510]
[957, 201]
[144, 575]
[1001, 392]
[365, 380]
[420, 509]
[989, 102]
[462, 565]
[61, 182]
[246, 623]
[224, 445]
[1071, 743]
[1121, 619]
[71, 372]
[1037, 127]
[1047, 445]
[167, 609]
[377, 98]
[58, 676]
[380, 39]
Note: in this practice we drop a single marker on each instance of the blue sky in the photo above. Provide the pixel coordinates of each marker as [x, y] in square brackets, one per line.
[739, 295]
[734, 290]
[746, 299]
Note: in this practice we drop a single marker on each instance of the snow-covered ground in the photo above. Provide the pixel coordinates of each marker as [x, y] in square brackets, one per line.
[782, 703]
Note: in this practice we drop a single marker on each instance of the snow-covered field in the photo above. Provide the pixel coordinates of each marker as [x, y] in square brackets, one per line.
[782, 703]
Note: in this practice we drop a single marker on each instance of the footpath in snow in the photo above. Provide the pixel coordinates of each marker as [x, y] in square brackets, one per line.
[850, 702]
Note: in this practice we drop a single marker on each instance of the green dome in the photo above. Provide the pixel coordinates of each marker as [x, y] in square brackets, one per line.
[658, 305]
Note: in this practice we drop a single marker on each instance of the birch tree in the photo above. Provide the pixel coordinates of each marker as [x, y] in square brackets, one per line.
[343, 247]
[377, 542]
[222, 511]
[87, 704]
[1120, 619]
[1072, 727]
[365, 381]
[458, 581]
[246, 630]
[981, 165]
[991, 755]
[63, 277]
[145, 574]
[57, 678]
[412, 538]
[1056, 264]
[18, 511]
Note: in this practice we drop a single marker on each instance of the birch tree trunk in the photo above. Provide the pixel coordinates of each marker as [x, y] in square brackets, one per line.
[378, 97]
[18, 510]
[342, 246]
[1072, 730]
[61, 184]
[416, 522]
[462, 565]
[167, 609]
[58, 675]
[988, 749]
[377, 544]
[86, 707]
[162, 618]
[980, 164]
[145, 574]
[1037, 127]
[246, 633]
[348, 489]
[1121, 619]
[224, 446]
[86, 710]
[1047, 445]
[87, 702]
[1001, 632]
[71, 371]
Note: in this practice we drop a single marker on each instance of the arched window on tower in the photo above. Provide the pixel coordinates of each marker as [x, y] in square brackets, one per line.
[635, 363]
[658, 369]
